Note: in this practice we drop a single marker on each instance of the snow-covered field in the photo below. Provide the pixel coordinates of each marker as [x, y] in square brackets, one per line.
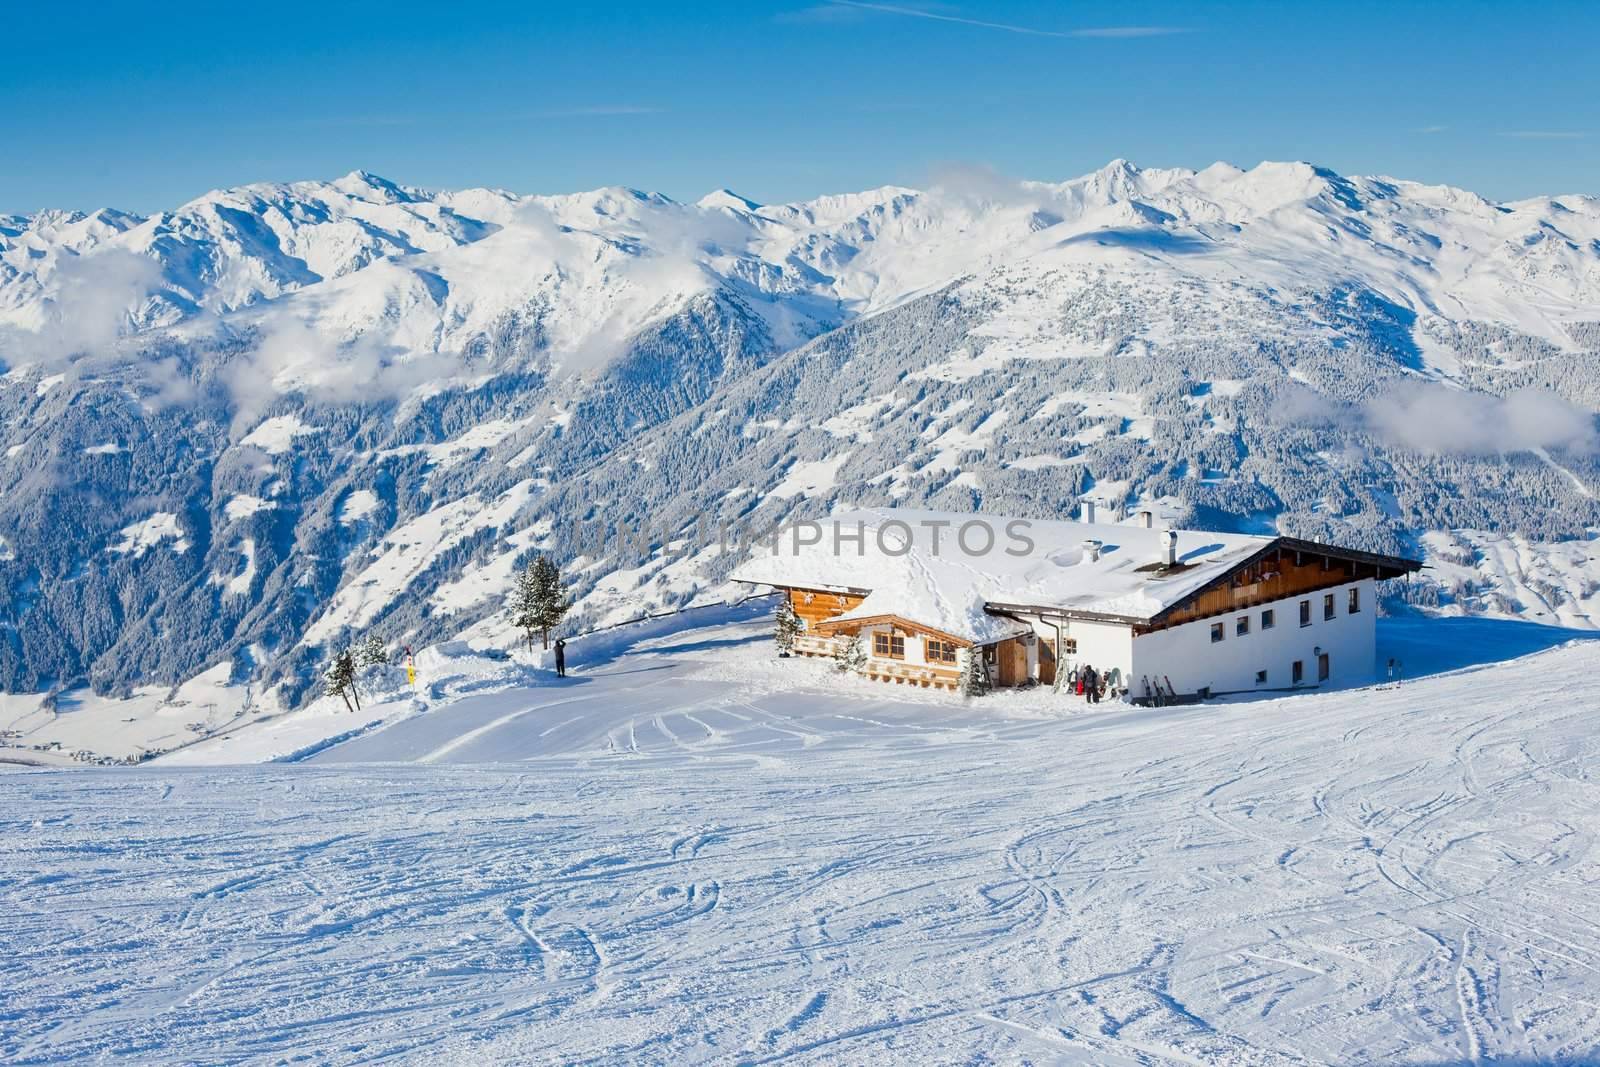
[692, 853]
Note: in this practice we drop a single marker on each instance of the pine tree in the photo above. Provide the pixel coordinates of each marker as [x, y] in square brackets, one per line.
[524, 601]
[974, 675]
[788, 626]
[549, 605]
[340, 680]
[850, 655]
[372, 653]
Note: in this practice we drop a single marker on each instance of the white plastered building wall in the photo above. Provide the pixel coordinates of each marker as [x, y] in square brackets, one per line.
[1102, 645]
[1189, 657]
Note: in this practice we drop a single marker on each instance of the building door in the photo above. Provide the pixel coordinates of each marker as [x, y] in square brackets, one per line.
[1322, 667]
[1012, 662]
[1047, 661]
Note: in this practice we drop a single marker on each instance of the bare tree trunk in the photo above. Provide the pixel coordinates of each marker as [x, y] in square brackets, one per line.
[357, 694]
[546, 633]
[346, 697]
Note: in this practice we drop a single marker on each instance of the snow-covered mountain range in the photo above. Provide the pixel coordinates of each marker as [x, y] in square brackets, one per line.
[244, 430]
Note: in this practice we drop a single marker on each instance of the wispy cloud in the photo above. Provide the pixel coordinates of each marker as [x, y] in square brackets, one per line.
[1546, 135]
[1431, 129]
[1008, 27]
[597, 109]
[1429, 417]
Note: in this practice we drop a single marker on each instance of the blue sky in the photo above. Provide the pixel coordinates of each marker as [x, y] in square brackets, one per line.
[143, 106]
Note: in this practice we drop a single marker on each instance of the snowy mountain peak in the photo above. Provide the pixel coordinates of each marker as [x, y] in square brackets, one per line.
[727, 198]
[366, 185]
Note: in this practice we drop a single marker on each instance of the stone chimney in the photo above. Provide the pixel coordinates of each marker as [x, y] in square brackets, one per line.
[1091, 550]
[1147, 518]
[1088, 511]
[1169, 548]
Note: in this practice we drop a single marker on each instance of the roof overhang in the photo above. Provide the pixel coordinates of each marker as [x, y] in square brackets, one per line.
[1384, 567]
[1398, 564]
[812, 588]
[997, 608]
[829, 626]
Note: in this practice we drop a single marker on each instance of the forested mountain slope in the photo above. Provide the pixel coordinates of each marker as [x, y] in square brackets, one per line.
[244, 430]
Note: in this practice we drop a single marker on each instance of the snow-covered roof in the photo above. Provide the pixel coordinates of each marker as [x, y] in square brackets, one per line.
[940, 570]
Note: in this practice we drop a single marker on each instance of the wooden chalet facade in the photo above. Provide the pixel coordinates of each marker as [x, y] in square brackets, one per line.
[899, 650]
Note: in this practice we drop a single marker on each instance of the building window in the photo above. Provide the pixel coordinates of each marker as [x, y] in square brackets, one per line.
[940, 651]
[889, 646]
[1069, 646]
[1354, 604]
[1216, 632]
[1261, 677]
[1269, 619]
[1297, 673]
[1305, 613]
[1322, 667]
[1241, 626]
[1327, 606]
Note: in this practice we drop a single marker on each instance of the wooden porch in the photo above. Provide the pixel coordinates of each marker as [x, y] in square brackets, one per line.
[814, 645]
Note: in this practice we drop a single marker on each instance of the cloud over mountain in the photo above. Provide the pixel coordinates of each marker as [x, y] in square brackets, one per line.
[393, 394]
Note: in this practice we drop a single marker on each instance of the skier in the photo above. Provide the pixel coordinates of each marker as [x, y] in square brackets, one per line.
[1091, 684]
[561, 658]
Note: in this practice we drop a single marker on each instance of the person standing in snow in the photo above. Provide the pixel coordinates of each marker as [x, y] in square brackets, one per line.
[1091, 684]
[561, 658]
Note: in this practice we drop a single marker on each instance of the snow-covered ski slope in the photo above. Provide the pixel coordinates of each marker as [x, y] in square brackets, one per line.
[657, 862]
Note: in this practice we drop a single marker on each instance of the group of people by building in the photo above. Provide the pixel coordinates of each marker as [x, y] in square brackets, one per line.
[1089, 683]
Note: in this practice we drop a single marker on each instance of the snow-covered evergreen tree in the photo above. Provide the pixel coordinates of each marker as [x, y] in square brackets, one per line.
[523, 603]
[788, 626]
[339, 679]
[550, 604]
[974, 675]
[850, 654]
[371, 652]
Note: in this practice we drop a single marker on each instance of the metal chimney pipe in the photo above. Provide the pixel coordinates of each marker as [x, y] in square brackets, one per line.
[1091, 550]
[1088, 511]
[1169, 547]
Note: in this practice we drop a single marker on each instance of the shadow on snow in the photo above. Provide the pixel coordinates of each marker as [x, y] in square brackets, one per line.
[1425, 645]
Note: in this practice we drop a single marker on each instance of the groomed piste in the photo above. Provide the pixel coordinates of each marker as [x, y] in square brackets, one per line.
[696, 853]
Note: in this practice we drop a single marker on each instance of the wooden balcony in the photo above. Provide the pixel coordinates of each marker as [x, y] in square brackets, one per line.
[884, 670]
[814, 645]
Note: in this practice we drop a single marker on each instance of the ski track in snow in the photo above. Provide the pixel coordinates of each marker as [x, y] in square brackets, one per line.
[641, 866]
